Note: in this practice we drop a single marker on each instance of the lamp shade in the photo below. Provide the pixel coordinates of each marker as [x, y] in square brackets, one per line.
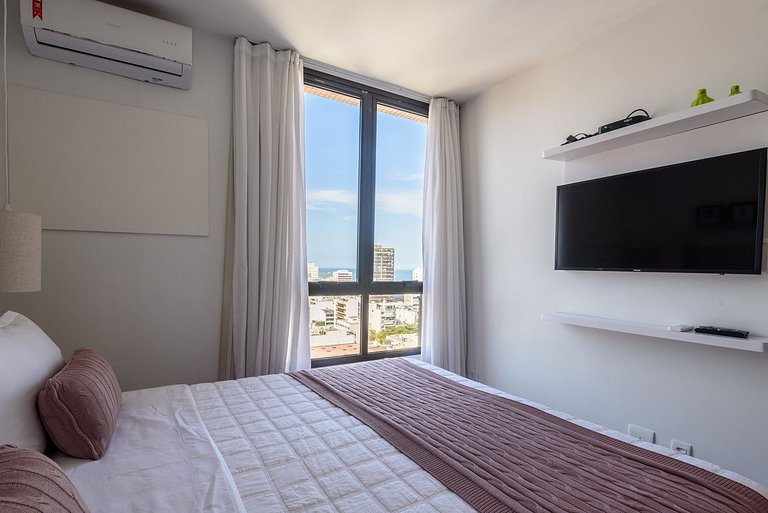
[20, 249]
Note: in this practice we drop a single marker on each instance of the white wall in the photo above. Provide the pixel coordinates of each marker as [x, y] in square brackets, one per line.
[715, 398]
[149, 303]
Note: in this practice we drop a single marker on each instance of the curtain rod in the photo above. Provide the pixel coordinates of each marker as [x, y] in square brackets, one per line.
[362, 79]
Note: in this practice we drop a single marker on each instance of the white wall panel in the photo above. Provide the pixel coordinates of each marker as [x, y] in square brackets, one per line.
[92, 165]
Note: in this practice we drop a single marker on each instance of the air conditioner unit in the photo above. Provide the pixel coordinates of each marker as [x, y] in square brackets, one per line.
[100, 36]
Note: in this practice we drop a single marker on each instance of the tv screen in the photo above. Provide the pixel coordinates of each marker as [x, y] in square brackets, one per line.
[704, 216]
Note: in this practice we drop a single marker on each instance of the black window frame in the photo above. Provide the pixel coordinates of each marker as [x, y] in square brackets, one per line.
[365, 287]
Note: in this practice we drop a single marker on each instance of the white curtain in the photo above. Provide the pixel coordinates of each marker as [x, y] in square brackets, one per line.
[444, 337]
[265, 327]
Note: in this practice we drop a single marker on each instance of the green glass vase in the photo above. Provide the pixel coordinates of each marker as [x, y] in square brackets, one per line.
[701, 98]
[735, 90]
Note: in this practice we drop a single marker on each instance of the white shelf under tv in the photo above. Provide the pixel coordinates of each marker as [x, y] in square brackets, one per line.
[718, 111]
[753, 343]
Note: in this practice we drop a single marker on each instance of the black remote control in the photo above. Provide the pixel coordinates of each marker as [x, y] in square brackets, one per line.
[723, 332]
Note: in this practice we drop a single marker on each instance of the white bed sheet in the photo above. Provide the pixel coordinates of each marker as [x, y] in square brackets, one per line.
[269, 445]
[160, 460]
[291, 451]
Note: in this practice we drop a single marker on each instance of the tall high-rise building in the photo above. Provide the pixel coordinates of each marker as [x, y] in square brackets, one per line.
[418, 274]
[342, 275]
[383, 263]
[313, 272]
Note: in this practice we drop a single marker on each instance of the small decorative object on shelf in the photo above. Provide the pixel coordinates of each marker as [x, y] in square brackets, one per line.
[701, 98]
[745, 104]
[735, 90]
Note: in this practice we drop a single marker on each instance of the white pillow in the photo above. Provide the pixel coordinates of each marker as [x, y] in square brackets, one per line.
[27, 359]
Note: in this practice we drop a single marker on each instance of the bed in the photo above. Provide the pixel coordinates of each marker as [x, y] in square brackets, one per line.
[390, 436]
[271, 444]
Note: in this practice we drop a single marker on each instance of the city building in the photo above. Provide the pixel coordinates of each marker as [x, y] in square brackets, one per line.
[381, 315]
[417, 274]
[313, 272]
[342, 275]
[348, 314]
[321, 315]
[347, 308]
[383, 263]
[407, 314]
[412, 300]
[334, 325]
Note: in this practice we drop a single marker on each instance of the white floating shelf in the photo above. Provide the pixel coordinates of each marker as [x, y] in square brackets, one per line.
[718, 111]
[752, 343]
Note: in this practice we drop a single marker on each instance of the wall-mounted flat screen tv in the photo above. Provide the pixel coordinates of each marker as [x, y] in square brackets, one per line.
[704, 216]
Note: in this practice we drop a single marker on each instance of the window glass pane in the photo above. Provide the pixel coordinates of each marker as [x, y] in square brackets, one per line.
[401, 144]
[334, 326]
[394, 322]
[332, 135]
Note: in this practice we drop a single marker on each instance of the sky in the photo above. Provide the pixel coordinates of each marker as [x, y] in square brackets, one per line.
[332, 152]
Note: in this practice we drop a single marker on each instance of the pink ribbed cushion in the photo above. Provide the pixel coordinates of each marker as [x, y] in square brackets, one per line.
[79, 405]
[30, 482]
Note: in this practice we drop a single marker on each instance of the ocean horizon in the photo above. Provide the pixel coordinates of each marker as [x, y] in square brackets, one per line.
[400, 274]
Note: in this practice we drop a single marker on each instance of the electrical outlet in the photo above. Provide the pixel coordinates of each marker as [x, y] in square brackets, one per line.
[681, 447]
[474, 375]
[644, 434]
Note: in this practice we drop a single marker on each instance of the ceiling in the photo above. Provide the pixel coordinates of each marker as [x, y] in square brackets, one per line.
[452, 48]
